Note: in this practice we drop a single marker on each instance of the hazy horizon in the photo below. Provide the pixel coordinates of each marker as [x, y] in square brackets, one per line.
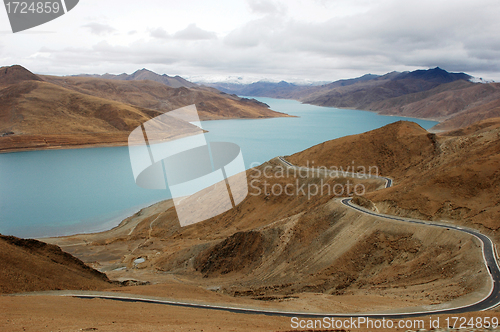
[318, 40]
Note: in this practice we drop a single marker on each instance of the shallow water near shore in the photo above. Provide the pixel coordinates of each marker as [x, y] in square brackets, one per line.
[62, 192]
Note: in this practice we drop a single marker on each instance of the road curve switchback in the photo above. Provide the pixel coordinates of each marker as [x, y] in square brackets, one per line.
[489, 302]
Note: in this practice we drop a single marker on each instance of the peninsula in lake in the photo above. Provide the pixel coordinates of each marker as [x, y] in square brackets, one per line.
[40, 112]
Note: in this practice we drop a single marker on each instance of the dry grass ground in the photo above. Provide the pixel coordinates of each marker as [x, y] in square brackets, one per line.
[49, 313]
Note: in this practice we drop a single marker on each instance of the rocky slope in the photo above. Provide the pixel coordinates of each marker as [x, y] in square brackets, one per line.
[31, 265]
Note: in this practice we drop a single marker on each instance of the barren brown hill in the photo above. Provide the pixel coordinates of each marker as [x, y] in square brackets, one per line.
[210, 103]
[472, 115]
[457, 104]
[456, 101]
[392, 149]
[145, 74]
[37, 114]
[453, 176]
[16, 74]
[440, 102]
[363, 93]
[431, 94]
[31, 265]
[490, 124]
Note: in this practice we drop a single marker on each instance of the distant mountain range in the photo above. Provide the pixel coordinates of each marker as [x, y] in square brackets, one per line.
[427, 78]
[145, 74]
[452, 98]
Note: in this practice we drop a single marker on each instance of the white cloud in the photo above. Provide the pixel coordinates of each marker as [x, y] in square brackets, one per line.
[318, 40]
[192, 32]
[268, 7]
[99, 28]
[159, 33]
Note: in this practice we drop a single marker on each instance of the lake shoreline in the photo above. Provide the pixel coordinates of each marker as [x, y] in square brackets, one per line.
[5, 147]
[63, 147]
[110, 225]
[25, 143]
[435, 119]
[82, 188]
[125, 227]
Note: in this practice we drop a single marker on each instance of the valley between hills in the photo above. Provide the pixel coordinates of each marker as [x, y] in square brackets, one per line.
[271, 252]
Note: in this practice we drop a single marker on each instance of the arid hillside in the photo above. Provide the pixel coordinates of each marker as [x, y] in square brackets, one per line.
[452, 176]
[483, 111]
[441, 102]
[362, 94]
[37, 114]
[456, 103]
[431, 94]
[210, 103]
[392, 149]
[31, 265]
[301, 251]
[145, 74]
[15, 74]
[53, 112]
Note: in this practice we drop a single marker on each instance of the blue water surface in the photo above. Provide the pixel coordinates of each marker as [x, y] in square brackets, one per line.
[61, 192]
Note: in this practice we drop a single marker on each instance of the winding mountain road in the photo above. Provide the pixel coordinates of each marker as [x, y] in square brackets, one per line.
[493, 299]
[489, 302]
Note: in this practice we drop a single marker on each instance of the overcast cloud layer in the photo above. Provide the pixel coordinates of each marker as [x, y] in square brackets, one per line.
[294, 40]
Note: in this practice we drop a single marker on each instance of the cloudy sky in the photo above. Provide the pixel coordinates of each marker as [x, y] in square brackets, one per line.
[294, 40]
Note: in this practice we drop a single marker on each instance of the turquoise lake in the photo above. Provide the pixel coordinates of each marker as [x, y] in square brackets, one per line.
[61, 192]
